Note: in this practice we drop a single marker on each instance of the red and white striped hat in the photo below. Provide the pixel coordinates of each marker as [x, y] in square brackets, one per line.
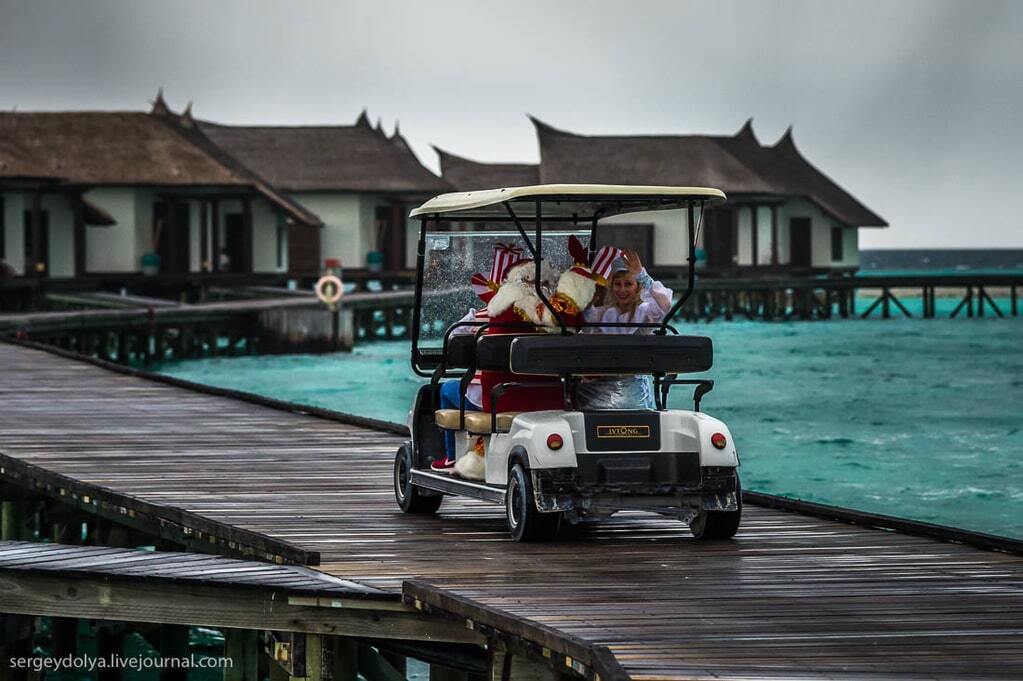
[505, 255]
[604, 261]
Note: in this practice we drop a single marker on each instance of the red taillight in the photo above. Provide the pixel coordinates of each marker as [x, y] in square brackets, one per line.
[719, 440]
[554, 441]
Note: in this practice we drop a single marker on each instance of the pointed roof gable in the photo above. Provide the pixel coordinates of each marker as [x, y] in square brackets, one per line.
[356, 157]
[800, 176]
[160, 107]
[737, 164]
[467, 175]
[667, 160]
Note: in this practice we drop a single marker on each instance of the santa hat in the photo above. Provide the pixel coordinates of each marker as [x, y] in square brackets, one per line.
[505, 255]
[600, 267]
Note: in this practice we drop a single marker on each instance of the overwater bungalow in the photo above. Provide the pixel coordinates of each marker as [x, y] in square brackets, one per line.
[115, 196]
[783, 216]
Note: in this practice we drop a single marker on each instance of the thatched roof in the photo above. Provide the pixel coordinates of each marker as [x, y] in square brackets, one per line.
[468, 175]
[120, 148]
[112, 148]
[328, 158]
[737, 164]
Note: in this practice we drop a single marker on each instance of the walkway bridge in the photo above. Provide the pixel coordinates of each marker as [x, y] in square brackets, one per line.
[795, 595]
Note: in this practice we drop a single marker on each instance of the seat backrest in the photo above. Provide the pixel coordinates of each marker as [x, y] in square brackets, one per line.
[611, 354]
[493, 350]
[461, 351]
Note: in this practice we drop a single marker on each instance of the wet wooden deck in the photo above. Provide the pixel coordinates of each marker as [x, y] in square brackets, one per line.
[792, 596]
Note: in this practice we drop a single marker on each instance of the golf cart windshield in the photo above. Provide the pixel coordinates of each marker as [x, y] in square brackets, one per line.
[460, 230]
[451, 258]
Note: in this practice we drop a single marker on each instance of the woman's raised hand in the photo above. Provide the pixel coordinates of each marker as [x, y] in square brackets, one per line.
[632, 261]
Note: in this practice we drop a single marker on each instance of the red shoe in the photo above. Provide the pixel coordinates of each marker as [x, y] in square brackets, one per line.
[443, 465]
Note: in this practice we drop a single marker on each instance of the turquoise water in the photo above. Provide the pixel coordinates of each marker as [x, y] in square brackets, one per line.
[916, 418]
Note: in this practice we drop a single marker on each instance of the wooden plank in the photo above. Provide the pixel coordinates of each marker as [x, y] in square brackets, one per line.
[793, 596]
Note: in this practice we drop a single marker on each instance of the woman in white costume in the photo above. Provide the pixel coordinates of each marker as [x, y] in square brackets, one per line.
[632, 295]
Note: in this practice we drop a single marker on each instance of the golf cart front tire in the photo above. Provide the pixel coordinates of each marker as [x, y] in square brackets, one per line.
[525, 522]
[409, 497]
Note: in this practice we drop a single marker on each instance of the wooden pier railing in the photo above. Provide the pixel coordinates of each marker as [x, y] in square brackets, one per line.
[270, 320]
[138, 330]
[826, 298]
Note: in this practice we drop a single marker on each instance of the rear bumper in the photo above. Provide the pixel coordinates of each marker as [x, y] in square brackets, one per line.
[669, 486]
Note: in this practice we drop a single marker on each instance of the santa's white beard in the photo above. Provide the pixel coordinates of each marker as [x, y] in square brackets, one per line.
[519, 294]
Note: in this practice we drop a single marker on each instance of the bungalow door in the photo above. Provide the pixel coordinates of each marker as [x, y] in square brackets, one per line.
[719, 238]
[172, 236]
[234, 257]
[37, 245]
[799, 238]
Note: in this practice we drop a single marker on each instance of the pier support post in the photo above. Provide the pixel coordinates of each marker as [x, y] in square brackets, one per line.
[63, 636]
[345, 663]
[504, 666]
[173, 644]
[241, 646]
[14, 523]
[15, 641]
[110, 642]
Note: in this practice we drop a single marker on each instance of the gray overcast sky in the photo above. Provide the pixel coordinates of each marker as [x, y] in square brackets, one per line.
[914, 107]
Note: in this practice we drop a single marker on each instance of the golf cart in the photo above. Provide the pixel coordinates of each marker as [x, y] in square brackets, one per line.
[559, 464]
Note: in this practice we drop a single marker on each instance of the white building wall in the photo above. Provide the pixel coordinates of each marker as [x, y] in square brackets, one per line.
[61, 257]
[765, 235]
[670, 234]
[411, 238]
[343, 236]
[113, 248]
[821, 224]
[744, 234]
[265, 224]
[194, 237]
[852, 247]
[14, 242]
[784, 238]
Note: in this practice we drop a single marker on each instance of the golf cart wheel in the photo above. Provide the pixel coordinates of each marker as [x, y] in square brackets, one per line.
[719, 524]
[409, 497]
[525, 522]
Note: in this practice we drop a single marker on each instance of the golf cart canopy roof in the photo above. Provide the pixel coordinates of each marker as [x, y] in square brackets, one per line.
[564, 201]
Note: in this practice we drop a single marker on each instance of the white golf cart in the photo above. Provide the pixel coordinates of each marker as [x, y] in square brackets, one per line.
[565, 464]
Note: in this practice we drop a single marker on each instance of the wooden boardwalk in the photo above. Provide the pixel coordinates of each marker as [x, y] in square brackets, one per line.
[792, 596]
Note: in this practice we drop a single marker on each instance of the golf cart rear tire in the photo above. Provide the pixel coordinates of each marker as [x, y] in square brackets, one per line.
[409, 497]
[525, 522]
[711, 525]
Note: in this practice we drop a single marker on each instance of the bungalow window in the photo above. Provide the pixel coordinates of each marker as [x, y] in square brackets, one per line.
[837, 236]
[282, 231]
